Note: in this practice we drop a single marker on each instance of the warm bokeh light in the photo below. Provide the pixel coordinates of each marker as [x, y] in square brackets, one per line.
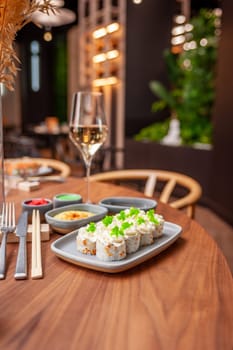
[102, 31]
[112, 54]
[99, 58]
[99, 33]
[180, 19]
[177, 40]
[178, 30]
[137, 2]
[113, 27]
[105, 81]
[48, 36]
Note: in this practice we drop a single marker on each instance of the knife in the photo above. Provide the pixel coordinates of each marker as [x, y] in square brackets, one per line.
[21, 232]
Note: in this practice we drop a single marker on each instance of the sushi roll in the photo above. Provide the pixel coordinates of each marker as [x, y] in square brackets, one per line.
[157, 221]
[145, 229]
[133, 213]
[110, 245]
[136, 217]
[86, 239]
[131, 235]
[107, 223]
[159, 226]
[114, 237]
[146, 238]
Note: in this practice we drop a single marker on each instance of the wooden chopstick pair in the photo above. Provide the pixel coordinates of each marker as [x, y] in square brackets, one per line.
[36, 269]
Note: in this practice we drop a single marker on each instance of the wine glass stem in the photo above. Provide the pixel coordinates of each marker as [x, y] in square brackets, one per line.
[88, 169]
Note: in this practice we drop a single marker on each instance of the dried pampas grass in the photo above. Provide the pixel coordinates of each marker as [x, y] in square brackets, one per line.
[14, 14]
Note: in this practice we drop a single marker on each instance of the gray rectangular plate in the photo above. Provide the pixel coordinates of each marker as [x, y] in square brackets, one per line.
[65, 248]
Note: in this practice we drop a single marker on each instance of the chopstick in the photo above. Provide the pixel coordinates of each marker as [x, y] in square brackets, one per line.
[36, 269]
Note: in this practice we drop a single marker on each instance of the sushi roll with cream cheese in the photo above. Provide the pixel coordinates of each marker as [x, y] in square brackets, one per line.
[159, 225]
[110, 245]
[86, 239]
[114, 237]
[131, 236]
[107, 223]
[157, 221]
[145, 230]
[133, 213]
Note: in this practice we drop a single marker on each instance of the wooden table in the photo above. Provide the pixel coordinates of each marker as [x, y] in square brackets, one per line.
[180, 299]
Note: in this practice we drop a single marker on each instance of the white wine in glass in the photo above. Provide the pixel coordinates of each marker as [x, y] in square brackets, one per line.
[88, 127]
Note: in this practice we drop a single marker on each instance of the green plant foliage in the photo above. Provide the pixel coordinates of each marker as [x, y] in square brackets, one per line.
[60, 78]
[191, 93]
[153, 132]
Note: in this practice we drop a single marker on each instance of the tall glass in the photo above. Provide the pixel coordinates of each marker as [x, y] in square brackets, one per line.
[88, 128]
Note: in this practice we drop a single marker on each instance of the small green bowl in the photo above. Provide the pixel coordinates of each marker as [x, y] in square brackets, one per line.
[63, 199]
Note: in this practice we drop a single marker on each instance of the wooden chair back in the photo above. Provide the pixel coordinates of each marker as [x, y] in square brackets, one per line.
[61, 168]
[178, 190]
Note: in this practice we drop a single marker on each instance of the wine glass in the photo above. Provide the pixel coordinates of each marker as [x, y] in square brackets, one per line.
[88, 128]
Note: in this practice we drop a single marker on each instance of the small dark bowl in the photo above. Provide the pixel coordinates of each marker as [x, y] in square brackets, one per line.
[63, 199]
[43, 208]
[116, 204]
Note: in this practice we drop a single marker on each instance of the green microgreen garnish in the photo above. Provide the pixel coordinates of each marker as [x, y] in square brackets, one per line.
[134, 211]
[140, 221]
[122, 215]
[151, 216]
[107, 220]
[126, 225]
[116, 231]
[91, 227]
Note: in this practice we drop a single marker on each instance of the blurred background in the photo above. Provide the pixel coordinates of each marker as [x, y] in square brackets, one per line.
[184, 47]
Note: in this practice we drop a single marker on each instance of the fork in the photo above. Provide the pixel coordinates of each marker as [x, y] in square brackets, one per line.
[7, 225]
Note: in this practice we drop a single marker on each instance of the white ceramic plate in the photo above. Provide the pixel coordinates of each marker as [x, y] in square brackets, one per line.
[65, 248]
[43, 170]
[116, 204]
[23, 168]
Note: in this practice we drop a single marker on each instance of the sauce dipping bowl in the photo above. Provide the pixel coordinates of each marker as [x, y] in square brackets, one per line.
[63, 199]
[41, 204]
[66, 226]
[116, 204]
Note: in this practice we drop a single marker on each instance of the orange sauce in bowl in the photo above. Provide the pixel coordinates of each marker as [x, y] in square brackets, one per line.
[73, 215]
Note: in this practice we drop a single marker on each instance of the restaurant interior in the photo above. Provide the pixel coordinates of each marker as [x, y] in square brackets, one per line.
[123, 111]
[66, 65]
